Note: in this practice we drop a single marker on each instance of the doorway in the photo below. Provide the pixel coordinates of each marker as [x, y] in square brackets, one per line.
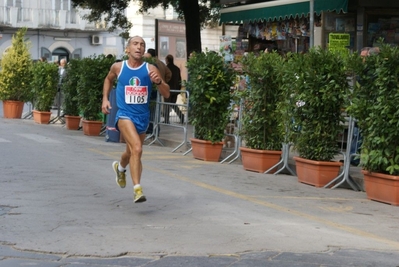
[59, 54]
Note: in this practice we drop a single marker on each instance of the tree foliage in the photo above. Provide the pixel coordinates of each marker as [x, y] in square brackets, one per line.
[195, 13]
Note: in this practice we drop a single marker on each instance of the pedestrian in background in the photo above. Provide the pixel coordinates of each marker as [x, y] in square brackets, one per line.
[59, 98]
[166, 74]
[174, 84]
[134, 86]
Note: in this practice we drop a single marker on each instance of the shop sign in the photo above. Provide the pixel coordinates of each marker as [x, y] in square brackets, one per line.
[338, 41]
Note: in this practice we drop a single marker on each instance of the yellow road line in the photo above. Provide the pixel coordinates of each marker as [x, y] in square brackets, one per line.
[312, 198]
[343, 227]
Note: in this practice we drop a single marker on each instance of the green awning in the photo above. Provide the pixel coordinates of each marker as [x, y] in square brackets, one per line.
[279, 9]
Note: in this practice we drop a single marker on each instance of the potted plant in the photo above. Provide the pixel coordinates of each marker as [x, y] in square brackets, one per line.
[261, 128]
[93, 71]
[44, 88]
[375, 106]
[209, 83]
[69, 86]
[15, 76]
[317, 82]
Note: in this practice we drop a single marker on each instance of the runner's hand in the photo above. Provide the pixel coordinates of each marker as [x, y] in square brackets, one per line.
[106, 107]
[155, 77]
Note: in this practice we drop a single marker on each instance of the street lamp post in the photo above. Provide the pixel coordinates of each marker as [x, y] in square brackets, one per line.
[311, 23]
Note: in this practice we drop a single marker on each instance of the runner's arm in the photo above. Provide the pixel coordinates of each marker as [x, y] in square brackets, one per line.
[107, 87]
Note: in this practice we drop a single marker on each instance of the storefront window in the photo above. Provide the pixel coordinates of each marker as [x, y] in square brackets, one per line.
[291, 35]
[339, 24]
[386, 27]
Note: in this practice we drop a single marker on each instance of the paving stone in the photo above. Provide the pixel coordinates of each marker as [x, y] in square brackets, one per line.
[120, 261]
[182, 261]
[9, 252]
[27, 262]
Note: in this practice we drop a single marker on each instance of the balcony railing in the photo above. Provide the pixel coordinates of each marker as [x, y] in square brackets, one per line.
[47, 19]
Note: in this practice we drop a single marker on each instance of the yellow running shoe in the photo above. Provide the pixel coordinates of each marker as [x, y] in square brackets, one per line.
[138, 195]
[120, 176]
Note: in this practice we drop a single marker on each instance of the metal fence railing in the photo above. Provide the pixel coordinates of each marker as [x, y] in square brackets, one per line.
[169, 114]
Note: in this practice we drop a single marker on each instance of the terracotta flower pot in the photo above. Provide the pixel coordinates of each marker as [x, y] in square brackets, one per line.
[72, 122]
[41, 117]
[92, 128]
[316, 173]
[205, 150]
[12, 109]
[382, 187]
[259, 160]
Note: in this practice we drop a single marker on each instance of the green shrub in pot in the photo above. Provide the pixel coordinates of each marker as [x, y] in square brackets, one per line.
[69, 88]
[317, 83]
[15, 73]
[261, 127]
[375, 101]
[209, 84]
[44, 85]
[93, 71]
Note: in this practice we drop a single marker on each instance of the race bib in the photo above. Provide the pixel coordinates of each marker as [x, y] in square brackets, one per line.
[136, 94]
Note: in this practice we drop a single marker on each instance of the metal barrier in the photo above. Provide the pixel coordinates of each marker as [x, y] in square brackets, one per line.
[235, 121]
[348, 137]
[349, 148]
[28, 114]
[285, 146]
[168, 114]
[232, 130]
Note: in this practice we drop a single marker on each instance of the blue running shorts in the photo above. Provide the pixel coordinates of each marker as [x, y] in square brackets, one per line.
[140, 121]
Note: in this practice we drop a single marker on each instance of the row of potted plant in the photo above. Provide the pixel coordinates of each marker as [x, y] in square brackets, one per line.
[23, 80]
[300, 99]
[82, 88]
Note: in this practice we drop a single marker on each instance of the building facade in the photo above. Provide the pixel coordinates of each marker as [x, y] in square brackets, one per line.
[56, 30]
[286, 25]
[144, 25]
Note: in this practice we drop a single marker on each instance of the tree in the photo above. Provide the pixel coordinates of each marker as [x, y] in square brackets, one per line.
[195, 13]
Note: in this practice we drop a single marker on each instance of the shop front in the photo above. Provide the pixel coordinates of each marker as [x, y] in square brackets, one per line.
[377, 20]
[286, 25]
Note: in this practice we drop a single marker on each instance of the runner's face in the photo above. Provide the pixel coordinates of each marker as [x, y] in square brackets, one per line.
[136, 48]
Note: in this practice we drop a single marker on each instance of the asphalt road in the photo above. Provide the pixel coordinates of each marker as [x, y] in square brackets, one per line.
[60, 206]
